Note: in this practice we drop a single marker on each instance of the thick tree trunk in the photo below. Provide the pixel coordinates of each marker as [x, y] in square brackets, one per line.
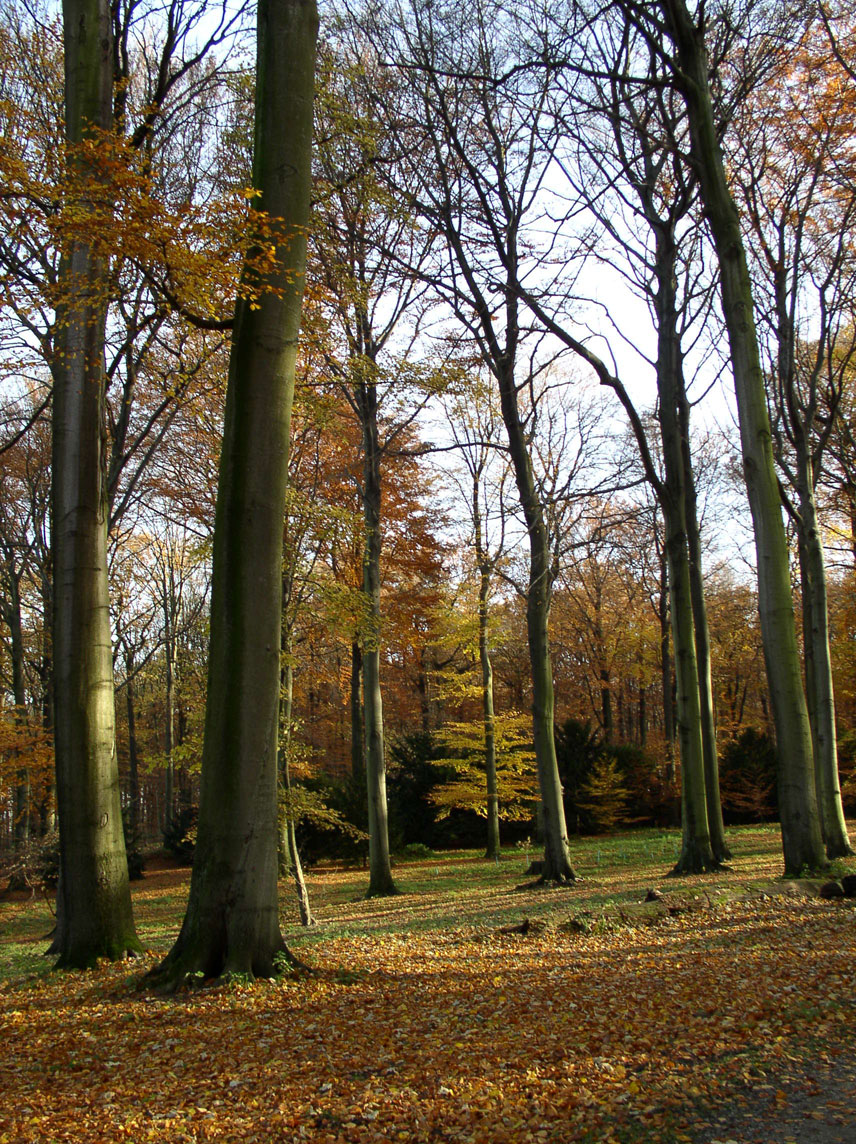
[96, 908]
[557, 859]
[232, 919]
[819, 677]
[801, 836]
[380, 870]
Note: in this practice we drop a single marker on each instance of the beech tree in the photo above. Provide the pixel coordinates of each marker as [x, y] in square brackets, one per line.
[619, 152]
[471, 164]
[794, 171]
[680, 37]
[94, 910]
[367, 247]
[232, 921]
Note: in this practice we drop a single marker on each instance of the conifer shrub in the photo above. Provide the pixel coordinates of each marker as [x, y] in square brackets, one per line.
[747, 777]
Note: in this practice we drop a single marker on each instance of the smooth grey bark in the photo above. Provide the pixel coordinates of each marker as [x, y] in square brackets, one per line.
[232, 919]
[381, 882]
[96, 916]
[801, 836]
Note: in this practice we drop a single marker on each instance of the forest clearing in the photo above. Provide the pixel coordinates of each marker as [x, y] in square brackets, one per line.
[424, 426]
[431, 1016]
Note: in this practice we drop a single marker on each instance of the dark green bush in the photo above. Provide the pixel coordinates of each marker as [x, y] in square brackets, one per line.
[179, 834]
[747, 777]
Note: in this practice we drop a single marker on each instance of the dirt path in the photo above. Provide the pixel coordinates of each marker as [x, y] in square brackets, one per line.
[811, 1106]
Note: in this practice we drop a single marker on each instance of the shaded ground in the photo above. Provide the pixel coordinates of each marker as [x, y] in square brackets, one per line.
[696, 1021]
[807, 1105]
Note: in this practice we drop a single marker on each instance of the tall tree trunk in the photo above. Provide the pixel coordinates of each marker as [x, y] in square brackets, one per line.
[557, 859]
[819, 674]
[715, 821]
[488, 719]
[133, 757]
[96, 916]
[666, 669]
[169, 717]
[288, 835]
[696, 852]
[380, 870]
[801, 837]
[21, 824]
[358, 738]
[232, 919]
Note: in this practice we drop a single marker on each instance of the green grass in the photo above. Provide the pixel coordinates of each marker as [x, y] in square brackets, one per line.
[447, 891]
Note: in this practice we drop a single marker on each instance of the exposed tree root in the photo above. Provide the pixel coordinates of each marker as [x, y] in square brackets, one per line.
[192, 969]
[687, 866]
[388, 891]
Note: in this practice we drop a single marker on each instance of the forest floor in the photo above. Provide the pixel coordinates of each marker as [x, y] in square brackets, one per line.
[464, 1009]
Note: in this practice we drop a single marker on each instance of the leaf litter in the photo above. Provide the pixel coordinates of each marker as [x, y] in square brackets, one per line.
[729, 1017]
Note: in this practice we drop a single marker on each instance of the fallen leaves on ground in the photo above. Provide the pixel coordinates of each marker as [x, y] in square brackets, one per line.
[453, 1034]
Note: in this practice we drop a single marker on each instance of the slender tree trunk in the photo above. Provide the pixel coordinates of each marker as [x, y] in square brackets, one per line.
[358, 738]
[493, 844]
[488, 719]
[696, 851]
[169, 719]
[133, 757]
[557, 859]
[232, 919]
[801, 836]
[288, 837]
[21, 824]
[96, 914]
[493, 841]
[606, 705]
[666, 669]
[716, 824]
[715, 821]
[819, 676]
[46, 666]
[380, 870]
